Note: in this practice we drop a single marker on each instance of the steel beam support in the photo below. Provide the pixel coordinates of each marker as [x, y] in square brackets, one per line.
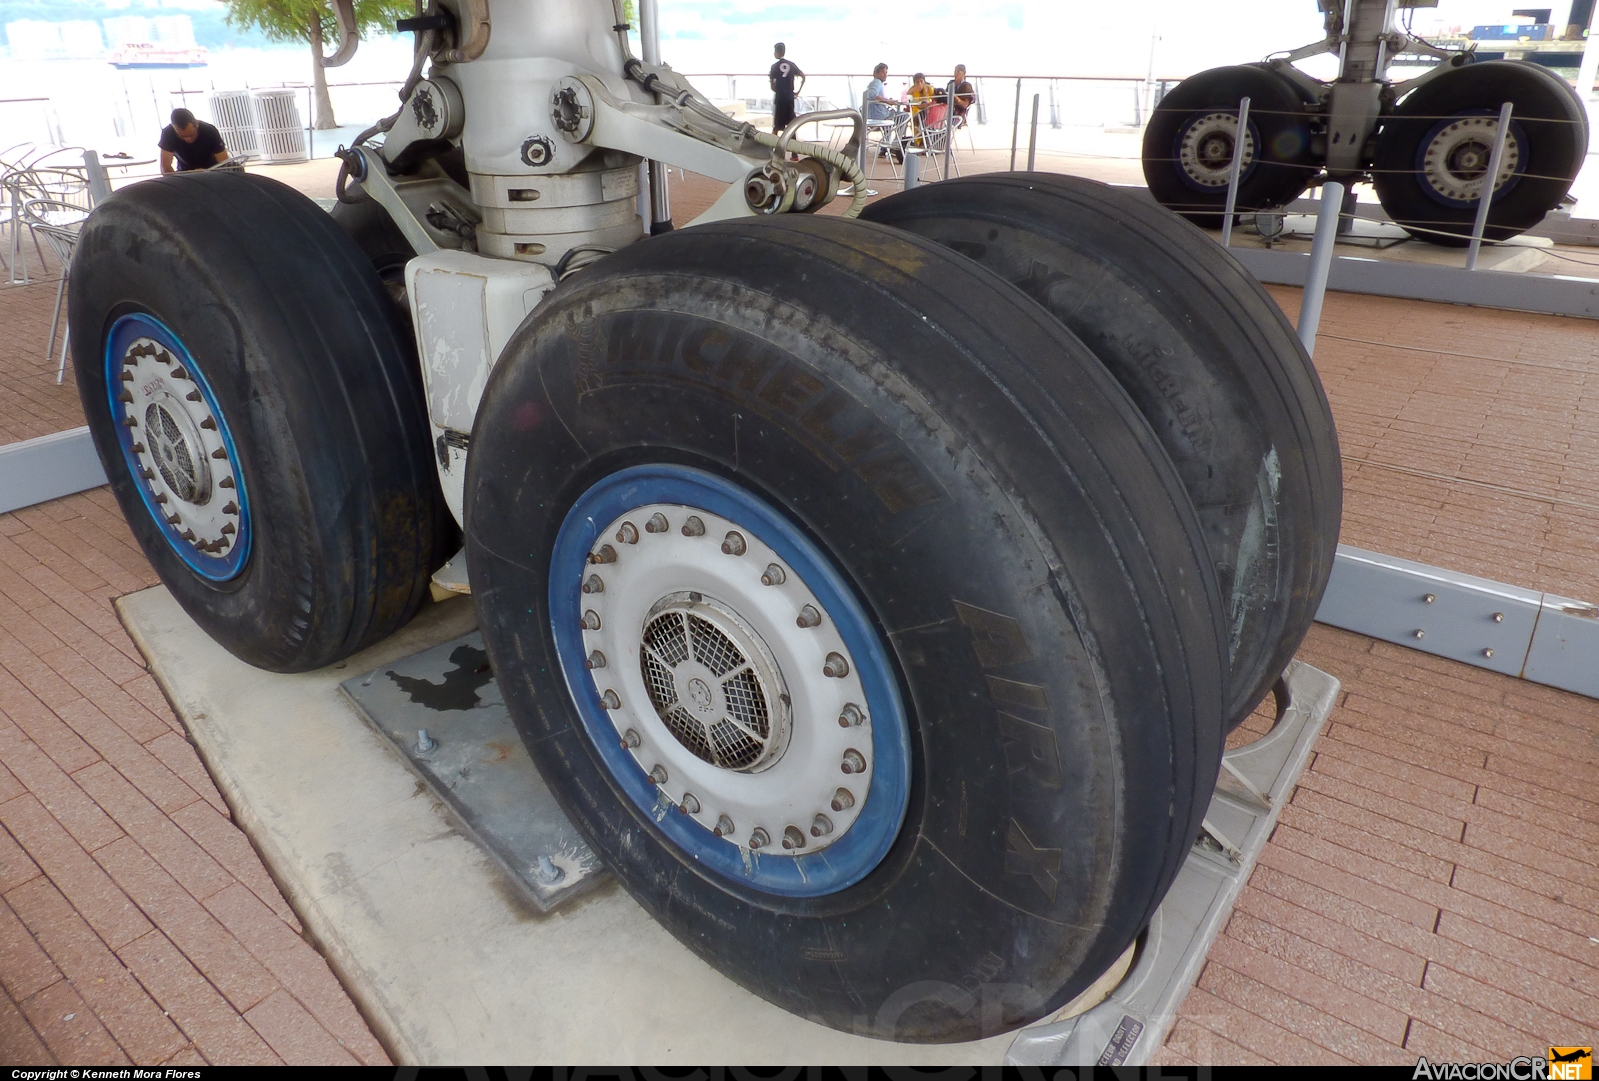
[46, 468]
[1540, 637]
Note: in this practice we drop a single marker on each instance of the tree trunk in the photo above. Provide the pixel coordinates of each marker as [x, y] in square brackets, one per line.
[319, 79]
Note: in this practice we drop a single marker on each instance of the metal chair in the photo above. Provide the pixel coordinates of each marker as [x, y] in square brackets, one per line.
[890, 141]
[58, 222]
[937, 135]
[63, 184]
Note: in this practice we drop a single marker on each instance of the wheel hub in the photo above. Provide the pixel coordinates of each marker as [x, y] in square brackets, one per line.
[726, 680]
[1205, 151]
[178, 452]
[1454, 160]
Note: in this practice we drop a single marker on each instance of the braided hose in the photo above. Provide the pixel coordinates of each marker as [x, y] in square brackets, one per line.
[785, 144]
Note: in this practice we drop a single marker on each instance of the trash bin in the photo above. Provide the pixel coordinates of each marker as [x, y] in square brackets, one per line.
[282, 136]
[234, 117]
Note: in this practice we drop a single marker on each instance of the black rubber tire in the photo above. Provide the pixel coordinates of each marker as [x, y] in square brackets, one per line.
[1280, 118]
[313, 375]
[1211, 363]
[1013, 514]
[1543, 108]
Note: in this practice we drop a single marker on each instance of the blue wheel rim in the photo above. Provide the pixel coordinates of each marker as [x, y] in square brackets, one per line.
[124, 332]
[852, 857]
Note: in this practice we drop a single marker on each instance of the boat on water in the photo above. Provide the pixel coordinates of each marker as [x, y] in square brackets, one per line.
[147, 55]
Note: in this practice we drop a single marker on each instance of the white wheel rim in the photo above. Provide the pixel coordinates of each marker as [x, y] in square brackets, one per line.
[786, 799]
[1455, 160]
[183, 463]
[1206, 151]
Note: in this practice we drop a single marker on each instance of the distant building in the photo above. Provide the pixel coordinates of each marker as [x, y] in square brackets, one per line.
[175, 31]
[34, 39]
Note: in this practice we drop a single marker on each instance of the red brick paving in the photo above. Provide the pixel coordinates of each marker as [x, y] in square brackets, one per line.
[136, 922]
[1431, 889]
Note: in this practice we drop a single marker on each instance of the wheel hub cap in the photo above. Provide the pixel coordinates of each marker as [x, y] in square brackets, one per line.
[714, 684]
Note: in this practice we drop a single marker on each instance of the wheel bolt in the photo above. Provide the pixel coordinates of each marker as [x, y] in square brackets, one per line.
[850, 716]
[610, 701]
[853, 762]
[658, 774]
[774, 575]
[690, 804]
[793, 838]
[821, 825]
[595, 660]
[843, 800]
[631, 740]
[693, 527]
[606, 554]
[628, 534]
[594, 585]
[734, 544]
[759, 838]
[836, 667]
[724, 826]
[657, 523]
[808, 617]
[591, 620]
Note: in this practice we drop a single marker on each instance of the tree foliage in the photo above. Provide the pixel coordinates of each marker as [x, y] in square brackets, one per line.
[292, 20]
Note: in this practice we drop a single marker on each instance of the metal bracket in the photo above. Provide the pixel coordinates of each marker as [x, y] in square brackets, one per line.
[475, 762]
[412, 200]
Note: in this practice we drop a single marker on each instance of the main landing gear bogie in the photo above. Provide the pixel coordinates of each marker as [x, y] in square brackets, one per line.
[869, 605]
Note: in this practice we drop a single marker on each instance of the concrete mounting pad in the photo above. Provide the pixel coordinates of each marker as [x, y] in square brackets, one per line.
[445, 956]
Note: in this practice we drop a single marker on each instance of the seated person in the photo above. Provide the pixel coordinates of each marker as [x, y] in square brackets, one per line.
[965, 94]
[921, 95]
[188, 144]
[878, 103]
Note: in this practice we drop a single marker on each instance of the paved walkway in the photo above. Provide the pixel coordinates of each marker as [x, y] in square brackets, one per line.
[1433, 887]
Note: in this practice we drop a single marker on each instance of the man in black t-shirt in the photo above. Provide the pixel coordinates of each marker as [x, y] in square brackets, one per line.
[188, 144]
[784, 92]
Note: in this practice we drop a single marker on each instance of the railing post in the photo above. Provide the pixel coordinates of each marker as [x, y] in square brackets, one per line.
[1032, 139]
[949, 126]
[1489, 179]
[1321, 253]
[1233, 172]
[1016, 126]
